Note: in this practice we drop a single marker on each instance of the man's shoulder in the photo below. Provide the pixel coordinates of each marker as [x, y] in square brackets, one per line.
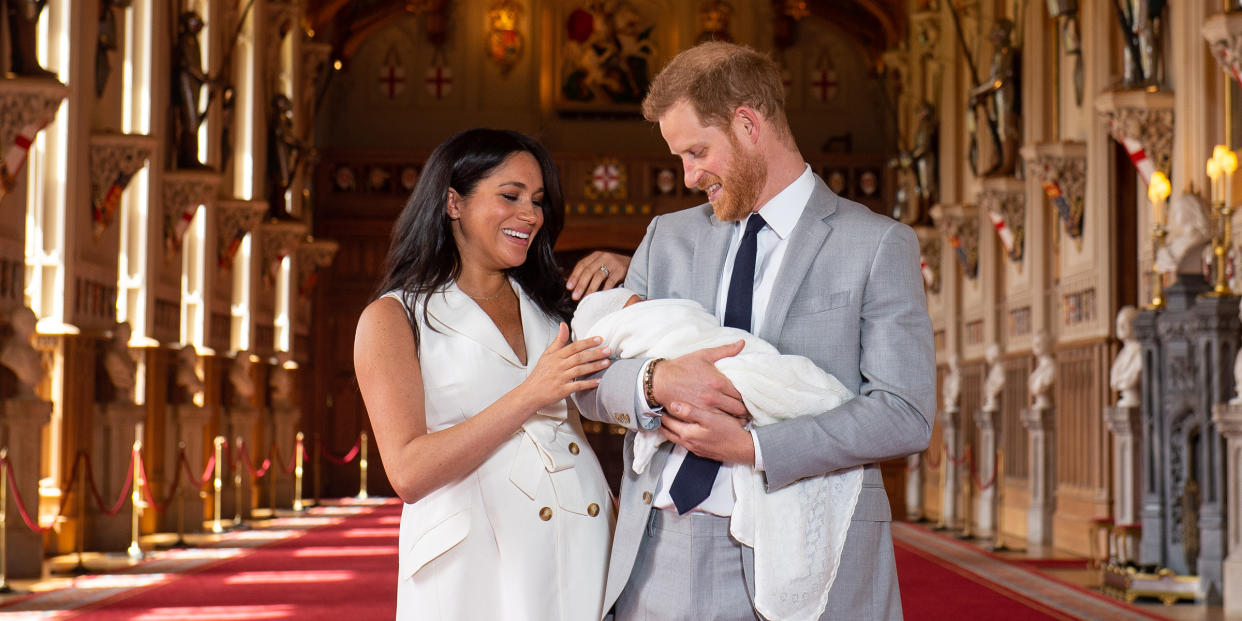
[689, 218]
[861, 222]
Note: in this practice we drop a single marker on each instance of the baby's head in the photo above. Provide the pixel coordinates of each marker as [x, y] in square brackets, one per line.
[597, 305]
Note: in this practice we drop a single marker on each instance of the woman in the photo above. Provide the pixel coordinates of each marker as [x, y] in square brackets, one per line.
[465, 372]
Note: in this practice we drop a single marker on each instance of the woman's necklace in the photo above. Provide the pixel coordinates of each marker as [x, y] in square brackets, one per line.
[485, 298]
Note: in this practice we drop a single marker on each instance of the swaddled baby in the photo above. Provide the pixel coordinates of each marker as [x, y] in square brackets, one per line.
[796, 531]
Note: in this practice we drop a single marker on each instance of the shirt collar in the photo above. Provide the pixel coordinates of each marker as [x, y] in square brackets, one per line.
[783, 210]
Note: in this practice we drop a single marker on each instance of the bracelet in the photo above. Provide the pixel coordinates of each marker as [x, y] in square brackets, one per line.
[649, 383]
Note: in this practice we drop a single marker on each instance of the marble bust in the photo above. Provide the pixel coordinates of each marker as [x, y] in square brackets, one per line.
[1188, 231]
[1040, 381]
[281, 382]
[995, 381]
[186, 374]
[19, 356]
[118, 363]
[1128, 365]
[240, 380]
[951, 389]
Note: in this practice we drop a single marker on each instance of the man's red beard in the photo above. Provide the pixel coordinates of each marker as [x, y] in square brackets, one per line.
[746, 174]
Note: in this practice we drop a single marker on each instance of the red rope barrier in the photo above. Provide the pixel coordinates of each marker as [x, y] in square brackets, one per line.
[125, 487]
[201, 482]
[963, 459]
[146, 485]
[256, 473]
[21, 506]
[353, 452]
[275, 450]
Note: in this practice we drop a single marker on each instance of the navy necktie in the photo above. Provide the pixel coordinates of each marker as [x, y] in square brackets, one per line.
[693, 483]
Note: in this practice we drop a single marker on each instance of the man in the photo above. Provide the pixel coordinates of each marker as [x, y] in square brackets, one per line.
[818, 276]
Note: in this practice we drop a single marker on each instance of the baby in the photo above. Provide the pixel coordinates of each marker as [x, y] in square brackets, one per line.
[796, 531]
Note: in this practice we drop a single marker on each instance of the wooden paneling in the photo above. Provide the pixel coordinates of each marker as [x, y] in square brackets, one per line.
[1081, 443]
[1012, 438]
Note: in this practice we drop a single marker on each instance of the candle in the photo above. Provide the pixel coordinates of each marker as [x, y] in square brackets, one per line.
[1229, 163]
[1213, 172]
[1157, 192]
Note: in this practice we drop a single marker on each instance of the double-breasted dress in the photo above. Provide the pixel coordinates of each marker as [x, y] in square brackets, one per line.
[525, 535]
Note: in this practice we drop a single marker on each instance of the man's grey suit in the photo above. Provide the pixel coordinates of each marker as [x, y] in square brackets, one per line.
[849, 296]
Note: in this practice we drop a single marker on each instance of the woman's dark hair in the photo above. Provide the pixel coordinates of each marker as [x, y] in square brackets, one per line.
[423, 257]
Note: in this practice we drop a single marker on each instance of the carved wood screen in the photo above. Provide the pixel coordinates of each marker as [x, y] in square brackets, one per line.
[972, 399]
[1081, 392]
[1012, 439]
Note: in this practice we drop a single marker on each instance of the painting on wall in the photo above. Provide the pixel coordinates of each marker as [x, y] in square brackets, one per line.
[608, 54]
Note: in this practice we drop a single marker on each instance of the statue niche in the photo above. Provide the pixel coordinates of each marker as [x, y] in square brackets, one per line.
[1141, 24]
[188, 80]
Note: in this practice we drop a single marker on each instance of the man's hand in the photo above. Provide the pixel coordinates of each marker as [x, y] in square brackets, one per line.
[693, 379]
[708, 434]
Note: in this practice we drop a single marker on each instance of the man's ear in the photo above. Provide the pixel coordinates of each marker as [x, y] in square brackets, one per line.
[746, 120]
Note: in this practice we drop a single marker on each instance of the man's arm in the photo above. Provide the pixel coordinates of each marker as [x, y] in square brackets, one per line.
[893, 413]
[613, 401]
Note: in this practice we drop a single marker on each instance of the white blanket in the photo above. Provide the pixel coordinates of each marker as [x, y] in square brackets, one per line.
[797, 532]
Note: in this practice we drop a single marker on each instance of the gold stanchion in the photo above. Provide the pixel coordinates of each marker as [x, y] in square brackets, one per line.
[135, 550]
[217, 484]
[943, 524]
[4, 522]
[297, 474]
[271, 482]
[998, 541]
[180, 542]
[318, 467]
[362, 469]
[237, 485]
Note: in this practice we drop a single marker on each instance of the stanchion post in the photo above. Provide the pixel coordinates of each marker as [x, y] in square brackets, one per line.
[941, 523]
[135, 550]
[217, 485]
[180, 542]
[318, 466]
[297, 474]
[80, 568]
[271, 481]
[362, 469]
[4, 522]
[240, 444]
[968, 492]
[998, 543]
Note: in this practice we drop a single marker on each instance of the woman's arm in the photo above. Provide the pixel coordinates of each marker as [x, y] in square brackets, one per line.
[390, 378]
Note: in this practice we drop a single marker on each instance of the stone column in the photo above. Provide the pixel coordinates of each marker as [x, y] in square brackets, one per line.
[188, 424]
[1228, 420]
[1124, 423]
[21, 431]
[914, 487]
[1039, 427]
[985, 467]
[952, 442]
[112, 448]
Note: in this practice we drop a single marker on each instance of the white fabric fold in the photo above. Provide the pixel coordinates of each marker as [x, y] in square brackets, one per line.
[797, 532]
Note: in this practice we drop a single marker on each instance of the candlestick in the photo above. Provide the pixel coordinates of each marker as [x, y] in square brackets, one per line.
[1223, 163]
[1157, 191]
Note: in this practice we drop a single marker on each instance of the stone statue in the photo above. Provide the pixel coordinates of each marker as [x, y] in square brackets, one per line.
[118, 362]
[1040, 381]
[284, 152]
[952, 386]
[998, 95]
[1237, 380]
[240, 380]
[19, 356]
[926, 148]
[281, 382]
[23, 19]
[187, 82]
[186, 374]
[1141, 22]
[994, 383]
[1189, 230]
[1128, 365]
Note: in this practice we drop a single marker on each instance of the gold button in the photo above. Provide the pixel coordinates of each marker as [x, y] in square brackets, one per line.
[646, 498]
[573, 448]
[592, 509]
[545, 514]
[622, 418]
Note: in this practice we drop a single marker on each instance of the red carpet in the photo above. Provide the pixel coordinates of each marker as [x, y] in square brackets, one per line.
[342, 570]
[934, 589]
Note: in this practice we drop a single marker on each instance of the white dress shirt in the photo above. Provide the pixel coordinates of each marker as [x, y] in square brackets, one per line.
[771, 242]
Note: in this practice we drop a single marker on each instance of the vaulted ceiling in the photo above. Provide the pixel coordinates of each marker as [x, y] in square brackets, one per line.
[875, 25]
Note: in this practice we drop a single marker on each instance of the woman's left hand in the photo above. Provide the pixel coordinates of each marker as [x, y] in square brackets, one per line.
[596, 271]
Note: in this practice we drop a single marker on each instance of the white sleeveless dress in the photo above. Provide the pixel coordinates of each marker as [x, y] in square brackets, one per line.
[526, 535]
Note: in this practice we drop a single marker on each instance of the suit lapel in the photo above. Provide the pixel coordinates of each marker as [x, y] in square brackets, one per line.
[805, 241]
[454, 310]
[709, 258]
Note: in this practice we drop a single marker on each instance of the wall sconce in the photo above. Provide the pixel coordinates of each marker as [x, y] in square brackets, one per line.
[504, 42]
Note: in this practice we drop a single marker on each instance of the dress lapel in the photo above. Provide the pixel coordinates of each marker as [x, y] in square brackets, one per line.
[805, 241]
[709, 258]
[454, 310]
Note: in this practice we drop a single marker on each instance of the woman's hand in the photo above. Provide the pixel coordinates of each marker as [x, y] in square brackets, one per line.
[596, 271]
[558, 372]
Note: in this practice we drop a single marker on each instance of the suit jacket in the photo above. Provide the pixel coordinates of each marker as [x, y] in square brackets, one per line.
[849, 296]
